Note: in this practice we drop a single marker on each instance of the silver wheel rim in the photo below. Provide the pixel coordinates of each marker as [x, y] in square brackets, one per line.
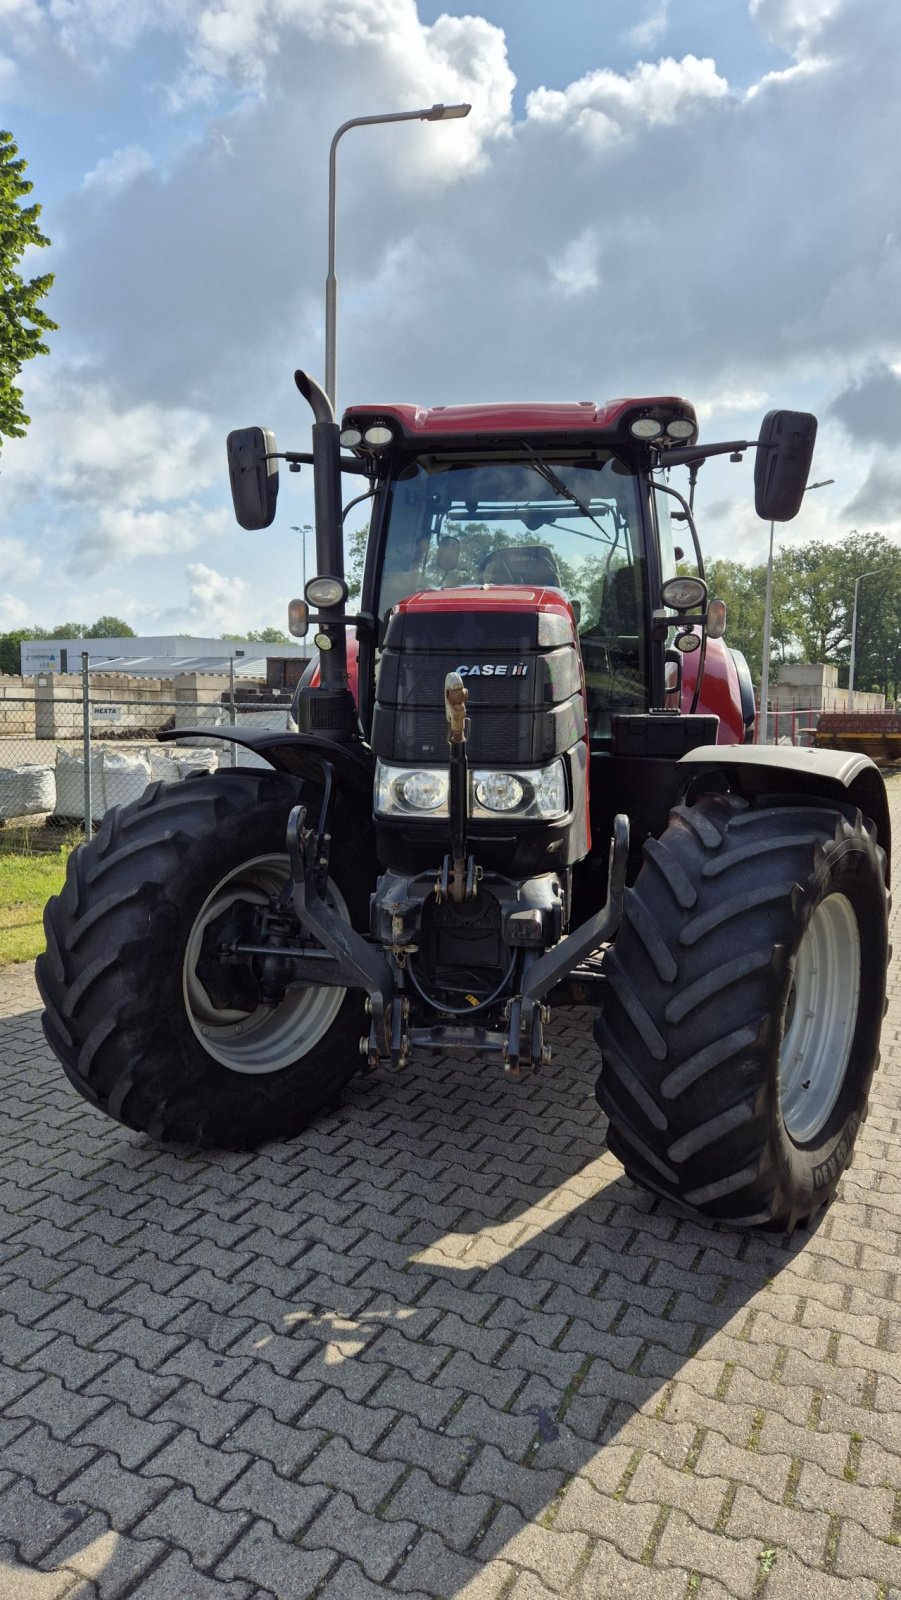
[272, 1037]
[822, 1017]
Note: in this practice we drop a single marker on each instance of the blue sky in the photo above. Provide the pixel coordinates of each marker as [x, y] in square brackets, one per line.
[696, 197]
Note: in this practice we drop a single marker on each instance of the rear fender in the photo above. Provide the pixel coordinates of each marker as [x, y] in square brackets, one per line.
[751, 770]
[300, 755]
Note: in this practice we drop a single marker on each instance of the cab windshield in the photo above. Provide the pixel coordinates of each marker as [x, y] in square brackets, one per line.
[456, 523]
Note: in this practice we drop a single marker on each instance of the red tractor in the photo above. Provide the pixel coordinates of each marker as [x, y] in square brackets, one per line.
[541, 711]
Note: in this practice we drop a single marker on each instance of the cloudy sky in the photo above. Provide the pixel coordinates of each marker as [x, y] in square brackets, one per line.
[672, 196]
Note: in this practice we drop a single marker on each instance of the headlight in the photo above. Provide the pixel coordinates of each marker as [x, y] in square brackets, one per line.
[499, 791]
[531, 794]
[324, 592]
[404, 791]
[683, 594]
[379, 435]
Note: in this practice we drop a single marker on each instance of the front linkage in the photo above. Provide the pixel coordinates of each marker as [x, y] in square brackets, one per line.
[381, 966]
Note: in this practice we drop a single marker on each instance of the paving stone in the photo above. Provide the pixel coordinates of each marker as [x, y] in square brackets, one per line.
[733, 1562]
[432, 1568]
[264, 1560]
[183, 1520]
[860, 1555]
[30, 1521]
[60, 1410]
[131, 1438]
[125, 1381]
[289, 1506]
[101, 1555]
[553, 1556]
[376, 1545]
[20, 1582]
[46, 1461]
[62, 1357]
[177, 1579]
[456, 1515]
[188, 1460]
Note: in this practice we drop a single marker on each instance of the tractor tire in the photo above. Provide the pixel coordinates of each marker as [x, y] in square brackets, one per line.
[136, 1031]
[744, 997]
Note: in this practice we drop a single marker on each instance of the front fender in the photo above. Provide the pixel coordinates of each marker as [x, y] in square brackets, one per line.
[754, 769]
[297, 753]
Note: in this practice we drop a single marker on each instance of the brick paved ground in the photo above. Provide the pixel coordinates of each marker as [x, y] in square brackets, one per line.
[438, 1346]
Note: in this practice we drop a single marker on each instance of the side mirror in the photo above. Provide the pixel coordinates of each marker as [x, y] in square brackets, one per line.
[253, 473]
[784, 453]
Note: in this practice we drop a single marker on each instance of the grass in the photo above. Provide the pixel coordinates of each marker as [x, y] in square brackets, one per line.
[32, 868]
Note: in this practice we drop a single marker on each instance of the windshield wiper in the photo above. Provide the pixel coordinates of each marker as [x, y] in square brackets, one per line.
[560, 488]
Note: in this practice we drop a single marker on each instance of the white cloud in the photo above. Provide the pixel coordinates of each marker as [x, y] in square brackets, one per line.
[90, 447]
[646, 33]
[725, 401]
[576, 268]
[117, 534]
[17, 561]
[217, 603]
[116, 172]
[14, 613]
[606, 105]
[795, 24]
[801, 69]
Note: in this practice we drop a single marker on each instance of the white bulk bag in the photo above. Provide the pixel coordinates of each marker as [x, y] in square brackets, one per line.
[27, 790]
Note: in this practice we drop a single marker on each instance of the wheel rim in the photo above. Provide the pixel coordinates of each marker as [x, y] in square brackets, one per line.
[822, 1014]
[272, 1037]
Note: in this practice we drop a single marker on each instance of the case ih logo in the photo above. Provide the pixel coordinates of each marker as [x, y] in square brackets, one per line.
[515, 669]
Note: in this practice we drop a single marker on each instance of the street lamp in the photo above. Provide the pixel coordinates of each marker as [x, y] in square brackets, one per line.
[436, 113]
[874, 574]
[303, 531]
[764, 721]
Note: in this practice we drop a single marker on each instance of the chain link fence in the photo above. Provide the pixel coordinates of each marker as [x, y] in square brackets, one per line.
[70, 750]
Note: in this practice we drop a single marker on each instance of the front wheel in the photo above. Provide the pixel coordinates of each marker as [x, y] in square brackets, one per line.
[744, 1001]
[150, 1024]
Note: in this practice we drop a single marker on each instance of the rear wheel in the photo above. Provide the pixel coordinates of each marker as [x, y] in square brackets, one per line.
[744, 1000]
[148, 1023]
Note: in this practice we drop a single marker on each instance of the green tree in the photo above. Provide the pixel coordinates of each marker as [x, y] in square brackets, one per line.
[271, 636]
[355, 560]
[10, 656]
[109, 628]
[69, 630]
[22, 321]
[259, 636]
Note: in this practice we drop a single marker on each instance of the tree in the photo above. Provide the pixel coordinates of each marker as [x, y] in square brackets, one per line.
[69, 630]
[10, 655]
[271, 636]
[109, 628]
[355, 560]
[259, 636]
[22, 321]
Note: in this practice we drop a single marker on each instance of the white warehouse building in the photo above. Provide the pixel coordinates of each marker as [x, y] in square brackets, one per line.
[178, 651]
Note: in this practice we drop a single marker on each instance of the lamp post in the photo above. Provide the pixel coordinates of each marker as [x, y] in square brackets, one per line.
[303, 531]
[874, 574]
[763, 726]
[436, 113]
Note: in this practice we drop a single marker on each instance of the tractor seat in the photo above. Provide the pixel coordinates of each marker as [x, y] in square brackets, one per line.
[521, 563]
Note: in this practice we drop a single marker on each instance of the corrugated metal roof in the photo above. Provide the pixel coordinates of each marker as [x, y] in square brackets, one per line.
[171, 666]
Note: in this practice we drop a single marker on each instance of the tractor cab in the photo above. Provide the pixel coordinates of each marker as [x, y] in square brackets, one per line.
[528, 496]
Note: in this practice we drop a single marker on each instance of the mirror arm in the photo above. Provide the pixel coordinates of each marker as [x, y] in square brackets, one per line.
[298, 458]
[684, 455]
